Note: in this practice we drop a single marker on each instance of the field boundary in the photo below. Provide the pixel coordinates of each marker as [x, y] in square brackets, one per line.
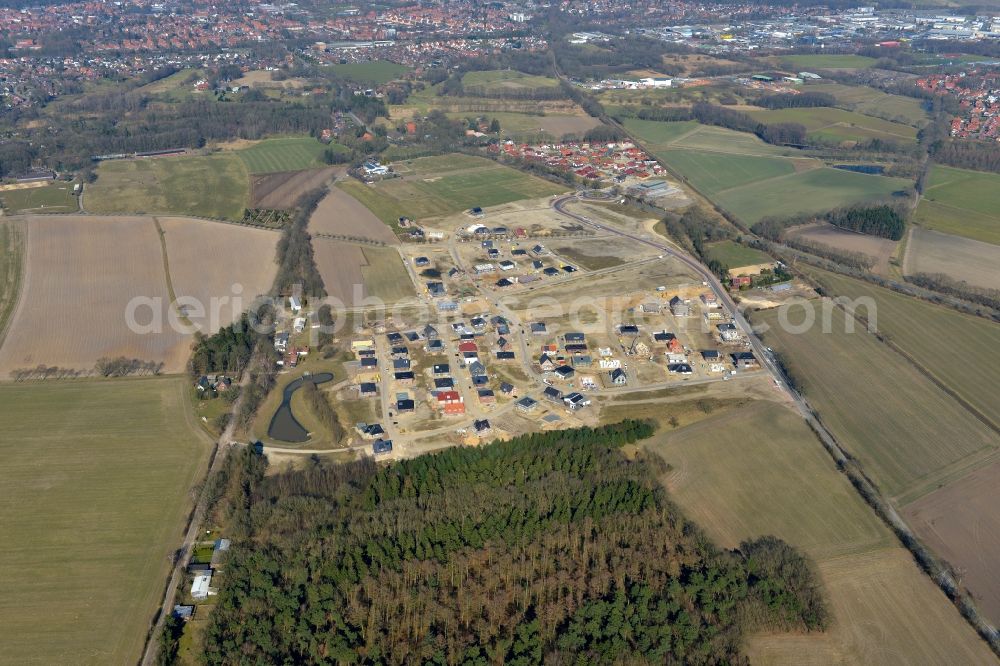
[19, 282]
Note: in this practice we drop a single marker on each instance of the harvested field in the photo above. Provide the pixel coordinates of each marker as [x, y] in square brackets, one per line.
[340, 214]
[910, 436]
[961, 524]
[96, 477]
[81, 273]
[885, 612]
[199, 270]
[524, 124]
[352, 273]
[764, 456]
[881, 250]
[759, 470]
[864, 99]
[918, 327]
[972, 261]
[839, 125]
[281, 191]
[340, 265]
[712, 172]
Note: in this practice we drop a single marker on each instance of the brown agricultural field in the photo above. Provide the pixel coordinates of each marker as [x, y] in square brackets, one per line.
[341, 214]
[961, 524]
[560, 125]
[208, 260]
[879, 249]
[280, 191]
[959, 258]
[340, 265]
[80, 274]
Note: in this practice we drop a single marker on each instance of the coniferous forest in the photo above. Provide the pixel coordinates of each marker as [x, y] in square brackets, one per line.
[551, 547]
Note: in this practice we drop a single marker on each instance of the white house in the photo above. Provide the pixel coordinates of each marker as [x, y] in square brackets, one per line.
[294, 304]
[199, 588]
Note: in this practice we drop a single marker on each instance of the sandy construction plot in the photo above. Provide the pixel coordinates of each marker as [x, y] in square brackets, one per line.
[961, 524]
[879, 249]
[975, 262]
[80, 274]
[341, 214]
[340, 266]
[224, 264]
[282, 190]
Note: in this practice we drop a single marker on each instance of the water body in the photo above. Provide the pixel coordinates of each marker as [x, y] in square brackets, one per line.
[284, 426]
[870, 169]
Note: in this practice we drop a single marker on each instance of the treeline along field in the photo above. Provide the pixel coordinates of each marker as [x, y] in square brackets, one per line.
[552, 546]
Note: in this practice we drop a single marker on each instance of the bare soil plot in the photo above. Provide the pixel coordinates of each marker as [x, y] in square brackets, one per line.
[759, 470]
[222, 264]
[81, 273]
[341, 214]
[972, 261]
[340, 266]
[960, 523]
[282, 190]
[879, 249]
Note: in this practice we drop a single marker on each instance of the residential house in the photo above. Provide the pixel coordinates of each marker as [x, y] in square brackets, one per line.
[552, 394]
[506, 356]
[441, 370]
[618, 377]
[527, 404]
[628, 330]
[404, 378]
[745, 360]
[367, 389]
[576, 401]
[381, 447]
[538, 328]
[451, 403]
[405, 406]
[444, 383]
[565, 372]
[679, 307]
[728, 332]
[546, 363]
[486, 397]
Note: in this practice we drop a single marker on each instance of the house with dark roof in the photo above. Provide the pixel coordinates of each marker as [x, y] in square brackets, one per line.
[618, 377]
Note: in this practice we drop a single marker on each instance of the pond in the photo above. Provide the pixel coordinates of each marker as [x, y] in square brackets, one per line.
[284, 426]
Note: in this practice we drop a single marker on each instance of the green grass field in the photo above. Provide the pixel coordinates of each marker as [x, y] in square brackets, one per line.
[289, 154]
[211, 186]
[377, 71]
[439, 186]
[811, 191]
[689, 135]
[734, 255]
[96, 477]
[826, 61]
[839, 125]
[949, 344]
[500, 80]
[962, 202]
[758, 470]
[870, 101]
[11, 266]
[909, 435]
[711, 173]
[385, 276]
[657, 134]
[56, 197]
